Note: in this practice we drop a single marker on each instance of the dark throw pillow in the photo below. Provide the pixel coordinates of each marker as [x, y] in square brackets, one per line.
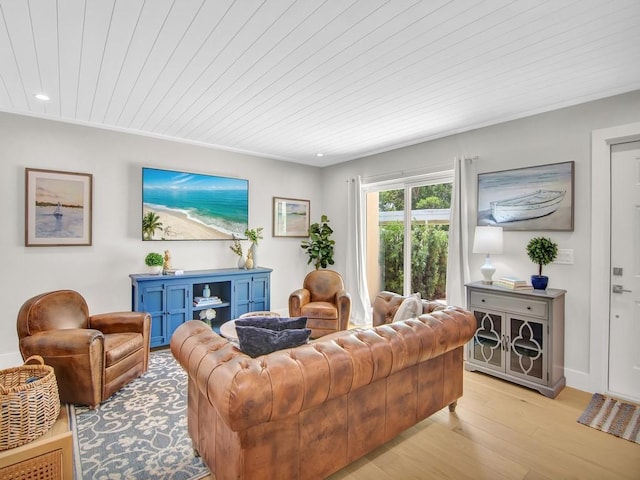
[255, 341]
[273, 323]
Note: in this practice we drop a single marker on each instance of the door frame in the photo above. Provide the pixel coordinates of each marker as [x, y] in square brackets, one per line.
[601, 141]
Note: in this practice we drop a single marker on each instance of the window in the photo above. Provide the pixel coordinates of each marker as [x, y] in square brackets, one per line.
[407, 247]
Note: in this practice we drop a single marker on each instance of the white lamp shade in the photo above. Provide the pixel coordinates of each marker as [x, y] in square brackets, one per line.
[487, 240]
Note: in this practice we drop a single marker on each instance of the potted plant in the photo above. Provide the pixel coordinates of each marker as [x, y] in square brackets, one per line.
[542, 251]
[253, 234]
[319, 247]
[154, 261]
[237, 249]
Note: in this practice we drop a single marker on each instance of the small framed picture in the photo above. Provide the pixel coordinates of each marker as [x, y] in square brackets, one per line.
[57, 208]
[290, 217]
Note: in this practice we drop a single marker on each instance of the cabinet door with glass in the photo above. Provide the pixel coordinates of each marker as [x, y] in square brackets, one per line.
[526, 346]
[487, 345]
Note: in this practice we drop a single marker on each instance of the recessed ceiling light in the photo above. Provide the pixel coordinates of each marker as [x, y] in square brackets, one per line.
[319, 154]
[42, 96]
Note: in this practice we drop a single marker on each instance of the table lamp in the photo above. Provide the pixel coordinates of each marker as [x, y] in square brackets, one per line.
[487, 240]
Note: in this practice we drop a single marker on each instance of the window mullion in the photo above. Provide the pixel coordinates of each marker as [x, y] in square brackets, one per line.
[407, 240]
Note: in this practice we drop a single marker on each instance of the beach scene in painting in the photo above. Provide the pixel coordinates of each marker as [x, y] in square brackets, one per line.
[191, 206]
[59, 208]
[292, 218]
[534, 198]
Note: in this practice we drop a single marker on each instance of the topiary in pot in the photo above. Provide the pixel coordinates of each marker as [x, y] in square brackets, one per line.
[319, 247]
[154, 261]
[542, 251]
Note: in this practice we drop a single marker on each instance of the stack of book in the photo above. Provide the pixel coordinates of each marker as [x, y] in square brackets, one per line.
[206, 301]
[173, 271]
[513, 283]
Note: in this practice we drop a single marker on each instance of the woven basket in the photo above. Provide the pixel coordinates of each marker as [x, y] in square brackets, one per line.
[29, 402]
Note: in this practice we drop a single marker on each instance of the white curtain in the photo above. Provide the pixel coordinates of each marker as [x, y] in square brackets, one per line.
[458, 256]
[356, 274]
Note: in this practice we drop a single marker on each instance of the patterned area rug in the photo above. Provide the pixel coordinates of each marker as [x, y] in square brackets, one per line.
[613, 416]
[141, 431]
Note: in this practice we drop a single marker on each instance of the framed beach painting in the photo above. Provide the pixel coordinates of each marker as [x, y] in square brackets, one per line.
[290, 217]
[531, 198]
[180, 205]
[57, 208]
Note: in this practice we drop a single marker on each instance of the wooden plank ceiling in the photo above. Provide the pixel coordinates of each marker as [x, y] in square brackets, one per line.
[289, 79]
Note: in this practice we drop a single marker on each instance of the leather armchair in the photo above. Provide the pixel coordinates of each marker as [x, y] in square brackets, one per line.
[93, 356]
[324, 301]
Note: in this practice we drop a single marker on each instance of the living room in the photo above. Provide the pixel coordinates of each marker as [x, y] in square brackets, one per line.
[115, 159]
[101, 271]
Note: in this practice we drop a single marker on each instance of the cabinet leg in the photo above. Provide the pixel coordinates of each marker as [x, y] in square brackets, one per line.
[452, 406]
[196, 453]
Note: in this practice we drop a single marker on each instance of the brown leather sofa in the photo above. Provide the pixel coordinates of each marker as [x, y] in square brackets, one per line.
[307, 412]
[93, 356]
[324, 301]
[386, 304]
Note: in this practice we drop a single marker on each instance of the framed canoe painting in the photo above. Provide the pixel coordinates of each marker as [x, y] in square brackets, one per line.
[58, 208]
[531, 198]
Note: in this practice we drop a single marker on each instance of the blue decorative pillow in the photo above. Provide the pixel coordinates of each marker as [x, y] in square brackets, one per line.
[273, 323]
[255, 341]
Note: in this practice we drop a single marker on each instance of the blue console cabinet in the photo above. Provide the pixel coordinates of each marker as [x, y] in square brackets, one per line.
[169, 299]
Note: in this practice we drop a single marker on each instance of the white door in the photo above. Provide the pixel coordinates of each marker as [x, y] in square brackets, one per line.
[624, 327]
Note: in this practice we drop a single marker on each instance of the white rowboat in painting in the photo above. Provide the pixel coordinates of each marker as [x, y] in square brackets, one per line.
[524, 207]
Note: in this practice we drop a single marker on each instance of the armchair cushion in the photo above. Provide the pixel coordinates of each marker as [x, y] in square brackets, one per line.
[119, 345]
[320, 310]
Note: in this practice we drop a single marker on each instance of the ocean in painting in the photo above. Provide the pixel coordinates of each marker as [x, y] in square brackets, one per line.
[68, 225]
[217, 202]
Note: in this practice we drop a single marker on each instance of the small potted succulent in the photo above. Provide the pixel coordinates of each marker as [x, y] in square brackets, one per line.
[155, 262]
[542, 251]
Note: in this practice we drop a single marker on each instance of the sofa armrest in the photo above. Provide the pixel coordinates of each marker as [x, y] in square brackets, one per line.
[384, 307]
[297, 300]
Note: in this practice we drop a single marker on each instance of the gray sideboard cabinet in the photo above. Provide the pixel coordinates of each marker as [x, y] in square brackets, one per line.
[519, 336]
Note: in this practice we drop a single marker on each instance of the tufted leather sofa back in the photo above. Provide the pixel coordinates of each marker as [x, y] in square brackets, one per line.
[247, 391]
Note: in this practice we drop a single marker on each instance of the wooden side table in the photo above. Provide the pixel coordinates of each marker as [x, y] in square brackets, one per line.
[46, 458]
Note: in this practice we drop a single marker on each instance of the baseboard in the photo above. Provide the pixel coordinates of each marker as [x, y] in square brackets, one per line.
[579, 380]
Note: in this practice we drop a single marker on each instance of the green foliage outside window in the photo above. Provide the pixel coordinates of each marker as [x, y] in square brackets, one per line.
[428, 258]
[429, 243]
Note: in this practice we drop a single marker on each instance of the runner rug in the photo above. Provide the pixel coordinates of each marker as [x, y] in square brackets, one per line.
[613, 416]
[141, 431]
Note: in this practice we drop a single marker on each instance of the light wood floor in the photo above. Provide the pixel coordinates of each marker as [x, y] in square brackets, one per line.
[501, 431]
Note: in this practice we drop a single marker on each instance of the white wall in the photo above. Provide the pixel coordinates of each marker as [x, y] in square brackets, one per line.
[558, 136]
[100, 272]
